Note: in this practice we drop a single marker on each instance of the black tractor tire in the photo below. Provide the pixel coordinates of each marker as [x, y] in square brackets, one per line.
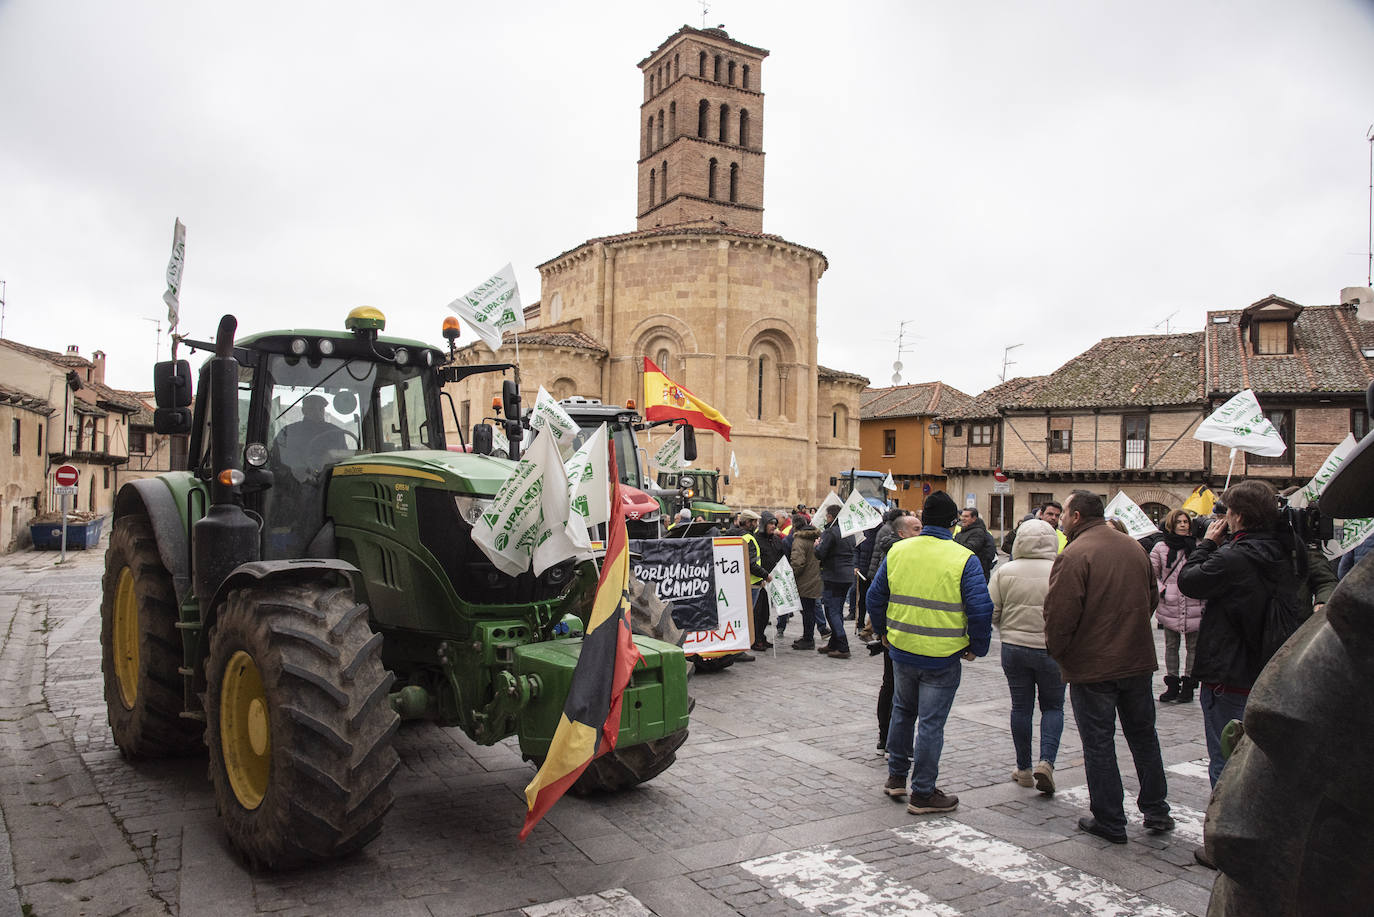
[141, 649]
[298, 724]
[712, 663]
[1291, 821]
[623, 768]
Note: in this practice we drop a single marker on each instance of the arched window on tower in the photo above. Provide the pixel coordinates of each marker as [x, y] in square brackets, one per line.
[651, 85]
[653, 186]
[660, 78]
[744, 127]
[730, 73]
[734, 182]
[744, 77]
[724, 123]
[711, 180]
[660, 127]
[677, 67]
[703, 112]
[649, 137]
[665, 181]
[701, 65]
[716, 71]
[672, 121]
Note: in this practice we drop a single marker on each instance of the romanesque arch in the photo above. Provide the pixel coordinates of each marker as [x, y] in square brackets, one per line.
[770, 386]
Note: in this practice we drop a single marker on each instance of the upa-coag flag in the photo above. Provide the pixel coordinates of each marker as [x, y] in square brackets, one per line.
[664, 399]
[590, 723]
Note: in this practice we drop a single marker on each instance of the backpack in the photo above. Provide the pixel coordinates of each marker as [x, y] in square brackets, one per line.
[1281, 621]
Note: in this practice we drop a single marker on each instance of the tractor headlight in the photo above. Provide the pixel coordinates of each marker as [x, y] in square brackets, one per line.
[326, 347]
[472, 508]
[299, 346]
[255, 454]
[401, 356]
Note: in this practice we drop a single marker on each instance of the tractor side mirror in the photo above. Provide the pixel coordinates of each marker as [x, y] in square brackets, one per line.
[834, 482]
[510, 398]
[172, 421]
[482, 439]
[689, 443]
[172, 384]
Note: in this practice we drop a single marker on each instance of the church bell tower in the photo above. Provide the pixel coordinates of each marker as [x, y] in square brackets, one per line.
[701, 133]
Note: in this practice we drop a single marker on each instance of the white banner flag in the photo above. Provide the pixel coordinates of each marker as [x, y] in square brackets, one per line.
[888, 483]
[1122, 507]
[734, 465]
[669, 455]
[492, 307]
[174, 270]
[549, 415]
[783, 596]
[589, 490]
[500, 445]
[818, 519]
[1313, 488]
[1352, 532]
[1240, 423]
[528, 518]
[857, 515]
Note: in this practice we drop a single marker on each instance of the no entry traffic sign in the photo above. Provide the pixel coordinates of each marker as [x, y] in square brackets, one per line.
[66, 477]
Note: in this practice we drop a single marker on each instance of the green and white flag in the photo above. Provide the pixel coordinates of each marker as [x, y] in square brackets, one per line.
[669, 455]
[175, 267]
[818, 518]
[549, 415]
[888, 483]
[589, 491]
[1353, 531]
[734, 465]
[492, 307]
[857, 515]
[500, 445]
[1350, 532]
[528, 519]
[1240, 424]
[1122, 507]
[783, 596]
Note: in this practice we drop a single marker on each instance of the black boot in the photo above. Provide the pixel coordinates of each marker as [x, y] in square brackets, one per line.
[1171, 690]
[1185, 693]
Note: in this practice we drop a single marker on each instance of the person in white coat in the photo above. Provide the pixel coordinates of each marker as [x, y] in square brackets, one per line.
[1018, 591]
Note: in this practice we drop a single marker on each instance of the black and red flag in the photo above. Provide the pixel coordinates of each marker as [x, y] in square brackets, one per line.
[590, 723]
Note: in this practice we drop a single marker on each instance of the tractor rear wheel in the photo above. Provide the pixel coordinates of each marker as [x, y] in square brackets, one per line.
[298, 724]
[140, 647]
[623, 768]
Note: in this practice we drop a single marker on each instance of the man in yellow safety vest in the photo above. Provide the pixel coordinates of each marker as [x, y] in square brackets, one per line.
[929, 603]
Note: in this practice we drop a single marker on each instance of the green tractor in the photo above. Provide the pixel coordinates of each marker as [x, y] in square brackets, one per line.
[697, 489]
[311, 581]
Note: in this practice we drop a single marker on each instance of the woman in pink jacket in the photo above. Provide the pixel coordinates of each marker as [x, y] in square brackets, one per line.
[1179, 615]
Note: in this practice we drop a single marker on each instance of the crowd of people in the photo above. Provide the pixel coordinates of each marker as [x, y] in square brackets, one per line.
[1074, 600]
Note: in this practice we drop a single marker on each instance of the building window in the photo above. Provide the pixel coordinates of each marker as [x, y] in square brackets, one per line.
[138, 442]
[1001, 513]
[660, 127]
[1272, 337]
[15, 443]
[653, 186]
[677, 67]
[40, 441]
[1359, 424]
[672, 121]
[958, 430]
[889, 442]
[730, 73]
[1283, 422]
[744, 77]
[834, 424]
[702, 112]
[744, 127]
[734, 182]
[465, 417]
[1038, 500]
[649, 136]
[724, 122]
[701, 65]
[106, 469]
[1061, 434]
[665, 181]
[1156, 511]
[1135, 433]
[716, 70]
[711, 180]
[651, 85]
[980, 434]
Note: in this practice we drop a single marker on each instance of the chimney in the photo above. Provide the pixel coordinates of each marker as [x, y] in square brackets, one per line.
[1362, 298]
[98, 358]
[73, 350]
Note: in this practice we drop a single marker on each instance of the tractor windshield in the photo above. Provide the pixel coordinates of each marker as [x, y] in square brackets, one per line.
[622, 437]
[872, 489]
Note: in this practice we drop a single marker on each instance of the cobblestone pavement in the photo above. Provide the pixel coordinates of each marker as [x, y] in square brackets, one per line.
[774, 806]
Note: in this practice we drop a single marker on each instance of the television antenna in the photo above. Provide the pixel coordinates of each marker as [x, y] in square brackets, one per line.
[1165, 322]
[2, 308]
[157, 348]
[902, 347]
[1005, 362]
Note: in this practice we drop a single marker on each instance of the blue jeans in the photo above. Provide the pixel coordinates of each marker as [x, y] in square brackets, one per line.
[1217, 711]
[834, 613]
[920, 705]
[1029, 670]
[1096, 706]
[808, 613]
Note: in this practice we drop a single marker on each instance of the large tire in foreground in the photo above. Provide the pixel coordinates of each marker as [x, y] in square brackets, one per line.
[623, 768]
[140, 647]
[298, 724]
[1291, 822]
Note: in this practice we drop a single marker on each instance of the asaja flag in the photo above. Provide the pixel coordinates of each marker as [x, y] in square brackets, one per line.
[549, 415]
[528, 519]
[1240, 424]
[888, 483]
[857, 515]
[174, 270]
[1313, 488]
[783, 596]
[588, 488]
[1122, 507]
[664, 399]
[492, 307]
[669, 455]
[590, 724]
[734, 465]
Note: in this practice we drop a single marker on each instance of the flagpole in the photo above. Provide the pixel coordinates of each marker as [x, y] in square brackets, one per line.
[1230, 469]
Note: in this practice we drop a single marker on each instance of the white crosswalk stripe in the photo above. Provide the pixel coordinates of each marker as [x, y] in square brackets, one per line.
[1197, 768]
[1063, 888]
[827, 880]
[615, 902]
[1187, 822]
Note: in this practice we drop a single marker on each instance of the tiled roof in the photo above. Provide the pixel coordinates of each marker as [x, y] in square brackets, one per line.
[826, 374]
[671, 232]
[1327, 354]
[16, 398]
[920, 398]
[69, 360]
[577, 340]
[144, 417]
[103, 395]
[1001, 395]
[1140, 370]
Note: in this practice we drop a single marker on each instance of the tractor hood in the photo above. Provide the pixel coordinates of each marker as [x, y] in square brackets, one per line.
[481, 475]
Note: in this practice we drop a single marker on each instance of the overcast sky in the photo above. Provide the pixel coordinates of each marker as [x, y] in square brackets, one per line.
[1044, 174]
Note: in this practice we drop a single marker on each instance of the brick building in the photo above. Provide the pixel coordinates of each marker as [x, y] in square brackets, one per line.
[720, 306]
[901, 432]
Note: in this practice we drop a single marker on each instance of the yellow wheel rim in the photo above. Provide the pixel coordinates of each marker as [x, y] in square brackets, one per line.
[125, 639]
[245, 732]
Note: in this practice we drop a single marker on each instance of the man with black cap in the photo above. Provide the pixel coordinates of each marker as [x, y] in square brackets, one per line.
[929, 604]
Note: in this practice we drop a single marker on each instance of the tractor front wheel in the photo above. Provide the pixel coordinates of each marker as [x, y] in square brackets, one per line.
[297, 723]
[622, 768]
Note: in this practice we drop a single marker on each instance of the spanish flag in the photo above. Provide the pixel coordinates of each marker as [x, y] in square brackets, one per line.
[590, 723]
[664, 399]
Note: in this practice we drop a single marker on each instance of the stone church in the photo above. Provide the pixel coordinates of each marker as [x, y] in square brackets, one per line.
[719, 305]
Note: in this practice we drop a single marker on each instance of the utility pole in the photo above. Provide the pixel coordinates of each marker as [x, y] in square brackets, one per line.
[1005, 362]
